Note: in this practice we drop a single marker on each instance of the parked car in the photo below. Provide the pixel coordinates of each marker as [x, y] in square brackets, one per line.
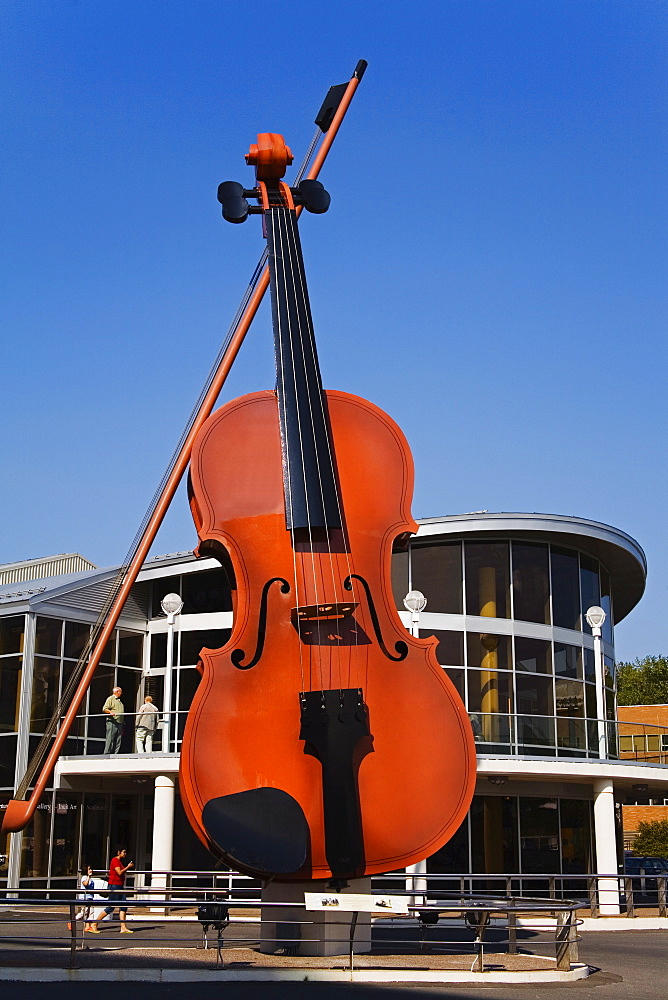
[644, 871]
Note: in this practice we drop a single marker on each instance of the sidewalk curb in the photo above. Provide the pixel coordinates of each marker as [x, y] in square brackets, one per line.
[287, 975]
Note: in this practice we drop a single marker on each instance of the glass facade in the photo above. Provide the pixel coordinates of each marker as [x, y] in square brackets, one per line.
[525, 694]
[508, 617]
[520, 835]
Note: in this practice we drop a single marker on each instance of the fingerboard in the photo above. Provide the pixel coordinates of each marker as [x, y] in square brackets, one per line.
[309, 479]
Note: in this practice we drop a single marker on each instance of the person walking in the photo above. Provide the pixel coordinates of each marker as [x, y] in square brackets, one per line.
[146, 725]
[114, 709]
[90, 888]
[117, 896]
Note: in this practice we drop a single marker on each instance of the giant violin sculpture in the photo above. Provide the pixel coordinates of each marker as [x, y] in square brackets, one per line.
[323, 740]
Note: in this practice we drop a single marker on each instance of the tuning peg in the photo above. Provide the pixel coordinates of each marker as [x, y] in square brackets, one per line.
[231, 197]
[312, 195]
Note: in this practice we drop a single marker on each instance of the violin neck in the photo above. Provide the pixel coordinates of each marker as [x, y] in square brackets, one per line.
[309, 480]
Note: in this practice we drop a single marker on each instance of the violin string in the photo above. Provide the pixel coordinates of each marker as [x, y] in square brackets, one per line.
[282, 402]
[307, 343]
[346, 539]
[302, 420]
[310, 343]
[281, 249]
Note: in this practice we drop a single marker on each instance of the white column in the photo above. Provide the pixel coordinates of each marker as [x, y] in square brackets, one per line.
[606, 845]
[163, 831]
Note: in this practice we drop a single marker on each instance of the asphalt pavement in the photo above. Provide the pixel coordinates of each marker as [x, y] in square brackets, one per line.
[626, 964]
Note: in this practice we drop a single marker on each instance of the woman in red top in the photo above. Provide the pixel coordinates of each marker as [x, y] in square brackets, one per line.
[116, 882]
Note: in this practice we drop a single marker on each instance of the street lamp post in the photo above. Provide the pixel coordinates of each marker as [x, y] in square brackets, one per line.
[171, 604]
[595, 618]
[604, 799]
[416, 602]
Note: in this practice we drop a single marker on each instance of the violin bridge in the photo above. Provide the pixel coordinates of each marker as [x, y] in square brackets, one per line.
[331, 624]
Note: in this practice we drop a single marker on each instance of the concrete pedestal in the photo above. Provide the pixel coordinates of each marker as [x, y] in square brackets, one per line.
[309, 932]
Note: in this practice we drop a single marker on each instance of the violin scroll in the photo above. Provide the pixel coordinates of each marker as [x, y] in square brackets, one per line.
[270, 156]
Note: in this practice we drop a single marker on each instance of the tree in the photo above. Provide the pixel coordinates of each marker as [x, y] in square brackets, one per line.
[643, 682]
[652, 839]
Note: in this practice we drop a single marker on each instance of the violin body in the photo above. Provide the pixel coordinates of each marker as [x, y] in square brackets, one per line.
[323, 740]
[400, 784]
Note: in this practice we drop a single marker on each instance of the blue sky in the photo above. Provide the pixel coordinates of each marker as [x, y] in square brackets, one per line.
[492, 270]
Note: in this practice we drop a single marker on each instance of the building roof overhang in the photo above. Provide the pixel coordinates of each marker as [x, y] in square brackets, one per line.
[620, 553]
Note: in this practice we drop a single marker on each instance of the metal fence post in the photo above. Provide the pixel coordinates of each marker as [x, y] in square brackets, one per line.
[73, 935]
[628, 889]
[593, 897]
[661, 886]
[512, 932]
[563, 940]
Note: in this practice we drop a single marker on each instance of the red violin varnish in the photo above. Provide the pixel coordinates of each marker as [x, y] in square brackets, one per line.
[323, 739]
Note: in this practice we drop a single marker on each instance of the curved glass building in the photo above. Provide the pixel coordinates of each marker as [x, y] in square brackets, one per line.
[507, 595]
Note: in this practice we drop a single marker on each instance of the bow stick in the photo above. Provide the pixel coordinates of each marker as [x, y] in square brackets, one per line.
[19, 810]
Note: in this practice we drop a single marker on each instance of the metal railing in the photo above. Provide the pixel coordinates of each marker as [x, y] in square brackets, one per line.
[88, 734]
[455, 920]
[516, 735]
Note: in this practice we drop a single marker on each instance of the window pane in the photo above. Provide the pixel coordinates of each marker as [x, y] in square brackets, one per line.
[626, 744]
[7, 761]
[589, 665]
[206, 592]
[569, 697]
[130, 649]
[539, 826]
[575, 836]
[534, 694]
[450, 649]
[453, 857]
[498, 852]
[48, 632]
[572, 734]
[159, 649]
[188, 682]
[489, 651]
[490, 692]
[487, 579]
[567, 660]
[457, 678]
[533, 655]
[531, 590]
[129, 681]
[46, 676]
[11, 634]
[193, 642]
[590, 700]
[606, 604]
[66, 834]
[565, 588]
[399, 578]
[10, 690]
[109, 651]
[436, 570]
[533, 730]
[100, 688]
[76, 636]
[591, 594]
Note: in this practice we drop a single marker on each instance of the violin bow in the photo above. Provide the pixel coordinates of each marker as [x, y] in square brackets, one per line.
[20, 810]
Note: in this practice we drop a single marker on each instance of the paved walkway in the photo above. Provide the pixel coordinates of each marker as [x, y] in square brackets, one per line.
[630, 964]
